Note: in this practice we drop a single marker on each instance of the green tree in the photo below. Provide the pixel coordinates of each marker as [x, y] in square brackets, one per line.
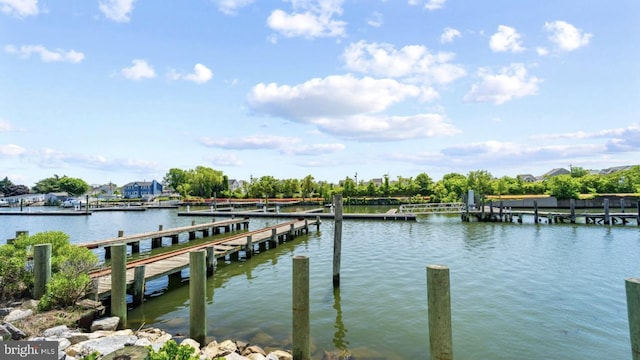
[290, 187]
[480, 182]
[577, 171]
[176, 177]
[349, 187]
[450, 188]
[205, 181]
[266, 186]
[4, 185]
[308, 186]
[425, 184]
[563, 187]
[48, 185]
[73, 186]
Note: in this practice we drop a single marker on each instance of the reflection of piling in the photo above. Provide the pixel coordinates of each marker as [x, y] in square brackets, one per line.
[300, 309]
[633, 308]
[41, 269]
[439, 306]
[339, 337]
[337, 239]
[197, 296]
[119, 283]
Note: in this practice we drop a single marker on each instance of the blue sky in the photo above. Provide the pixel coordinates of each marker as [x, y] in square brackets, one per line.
[124, 90]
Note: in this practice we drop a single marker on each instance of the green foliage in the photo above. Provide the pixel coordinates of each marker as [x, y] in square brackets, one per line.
[93, 356]
[171, 351]
[69, 267]
[563, 187]
[73, 186]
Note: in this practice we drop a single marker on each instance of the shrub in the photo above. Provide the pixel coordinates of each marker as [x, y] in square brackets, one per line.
[171, 351]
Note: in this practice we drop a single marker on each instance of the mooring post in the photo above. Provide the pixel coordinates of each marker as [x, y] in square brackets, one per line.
[138, 285]
[212, 262]
[535, 211]
[572, 204]
[337, 238]
[41, 269]
[633, 309]
[439, 308]
[249, 248]
[622, 204]
[197, 296]
[274, 237]
[119, 283]
[607, 217]
[638, 214]
[318, 223]
[300, 309]
[87, 204]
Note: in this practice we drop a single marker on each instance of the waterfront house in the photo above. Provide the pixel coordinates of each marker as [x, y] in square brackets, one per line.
[142, 189]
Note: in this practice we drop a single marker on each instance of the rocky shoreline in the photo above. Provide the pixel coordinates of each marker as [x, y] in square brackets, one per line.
[98, 334]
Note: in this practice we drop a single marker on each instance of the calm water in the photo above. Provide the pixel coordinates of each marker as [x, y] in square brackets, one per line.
[518, 291]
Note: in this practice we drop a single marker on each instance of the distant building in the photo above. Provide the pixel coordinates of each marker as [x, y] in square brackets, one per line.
[142, 189]
[612, 170]
[556, 172]
[527, 178]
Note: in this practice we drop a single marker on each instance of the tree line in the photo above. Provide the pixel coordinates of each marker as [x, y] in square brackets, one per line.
[205, 182]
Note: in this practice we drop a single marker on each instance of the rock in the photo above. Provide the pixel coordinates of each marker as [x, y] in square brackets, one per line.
[254, 349]
[280, 355]
[92, 310]
[108, 323]
[103, 345]
[128, 353]
[190, 342]
[5, 311]
[240, 346]
[16, 334]
[55, 331]
[234, 356]
[4, 333]
[18, 314]
[256, 356]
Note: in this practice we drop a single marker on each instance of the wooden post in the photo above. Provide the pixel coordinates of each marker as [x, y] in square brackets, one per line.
[87, 204]
[607, 218]
[633, 309]
[318, 223]
[337, 239]
[501, 211]
[249, 248]
[212, 262]
[638, 216]
[439, 307]
[535, 211]
[197, 296]
[490, 210]
[622, 205]
[274, 238]
[138, 285]
[41, 269]
[119, 283]
[572, 204]
[300, 309]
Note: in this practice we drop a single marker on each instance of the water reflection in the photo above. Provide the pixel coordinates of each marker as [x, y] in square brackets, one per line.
[341, 331]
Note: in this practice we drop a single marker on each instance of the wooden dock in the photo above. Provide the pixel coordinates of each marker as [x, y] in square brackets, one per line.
[309, 214]
[207, 229]
[232, 248]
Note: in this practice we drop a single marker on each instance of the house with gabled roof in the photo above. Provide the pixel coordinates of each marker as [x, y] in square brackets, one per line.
[142, 189]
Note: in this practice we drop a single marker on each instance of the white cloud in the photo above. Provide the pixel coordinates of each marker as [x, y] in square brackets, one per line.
[5, 126]
[117, 10]
[375, 20]
[510, 83]
[566, 36]
[19, 8]
[449, 34]
[201, 74]
[314, 149]
[413, 62]
[506, 39]
[331, 96]
[224, 160]
[283, 144]
[230, 7]
[11, 150]
[542, 51]
[617, 140]
[309, 19]
[57, 55]
[140, 70]
[430, 4]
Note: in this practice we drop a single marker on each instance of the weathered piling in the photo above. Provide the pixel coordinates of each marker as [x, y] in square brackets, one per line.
[607, 217]
[337, 238]
[249, 247]
[301, 349]
[212, 261]
[439, 308]
[119, 283]
[41, 269]
[197, 296]
[138, 285]
[572, 205]
[633, 309]
[535, 211]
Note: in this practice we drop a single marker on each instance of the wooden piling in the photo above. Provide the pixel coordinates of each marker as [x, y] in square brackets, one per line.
[249, 248]
[212, 261]
[572, 204]
[274, 238]
[607, 217]
[41, 269]
[439, 308]
[638, 214]
[337, 238]
[633, 309]
[119, 283]
[535, 211]
[300, 309]
[138, 285]
[22, 233]
[197, 296]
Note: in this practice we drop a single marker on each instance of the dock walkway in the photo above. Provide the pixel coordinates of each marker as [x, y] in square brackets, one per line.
[175, 261]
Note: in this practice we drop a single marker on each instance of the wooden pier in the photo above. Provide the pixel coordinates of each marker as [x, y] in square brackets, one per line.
[231, 248]
[309, 214]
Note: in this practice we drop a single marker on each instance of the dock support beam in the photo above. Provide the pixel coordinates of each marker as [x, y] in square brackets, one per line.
[41, 269]
[249, 248]
[197, 296]
[119, 283]
[607, 217]
[535, 211]
[138, 285]
[300, 311]
[572, 204]
[633, 309]
[439, 307]
[337, 239]
[212, 262]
